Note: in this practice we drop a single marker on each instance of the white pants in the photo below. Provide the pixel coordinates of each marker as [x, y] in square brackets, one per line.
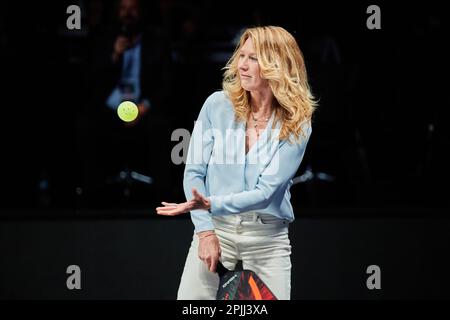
[261, 241]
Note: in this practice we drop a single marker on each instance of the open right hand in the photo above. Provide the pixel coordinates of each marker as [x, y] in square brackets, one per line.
[209, 250]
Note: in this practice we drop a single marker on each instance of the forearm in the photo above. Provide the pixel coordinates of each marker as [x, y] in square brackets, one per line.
[240, 202]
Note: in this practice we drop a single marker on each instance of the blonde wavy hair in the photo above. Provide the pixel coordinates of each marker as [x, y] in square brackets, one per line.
[281, 63]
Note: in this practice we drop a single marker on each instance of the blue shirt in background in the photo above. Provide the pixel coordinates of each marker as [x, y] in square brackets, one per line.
[129, 86]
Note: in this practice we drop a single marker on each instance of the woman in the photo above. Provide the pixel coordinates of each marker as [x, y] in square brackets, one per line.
[247, 145]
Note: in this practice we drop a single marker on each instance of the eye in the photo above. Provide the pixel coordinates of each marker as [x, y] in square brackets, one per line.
[253, 58]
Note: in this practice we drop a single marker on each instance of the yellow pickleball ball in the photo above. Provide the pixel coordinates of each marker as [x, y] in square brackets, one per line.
[127, 111]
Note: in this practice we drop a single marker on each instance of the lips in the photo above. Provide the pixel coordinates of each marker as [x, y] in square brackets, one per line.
[245, 76]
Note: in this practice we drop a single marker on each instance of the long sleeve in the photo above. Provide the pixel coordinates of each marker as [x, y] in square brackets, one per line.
[199, 153]
[275, 177]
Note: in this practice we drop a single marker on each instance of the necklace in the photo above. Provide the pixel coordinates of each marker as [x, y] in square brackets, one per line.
[265, 120]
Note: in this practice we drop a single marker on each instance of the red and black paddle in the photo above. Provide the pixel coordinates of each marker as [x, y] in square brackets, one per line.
[239, 284]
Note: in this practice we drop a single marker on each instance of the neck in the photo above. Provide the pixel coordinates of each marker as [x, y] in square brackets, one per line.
[261, 102]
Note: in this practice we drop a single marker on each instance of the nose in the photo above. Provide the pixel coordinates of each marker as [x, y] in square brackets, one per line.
[243, 65]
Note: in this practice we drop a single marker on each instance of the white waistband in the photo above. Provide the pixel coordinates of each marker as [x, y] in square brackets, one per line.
[253, 216]
[251, 222]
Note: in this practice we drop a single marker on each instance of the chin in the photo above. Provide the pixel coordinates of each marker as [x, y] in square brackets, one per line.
[247, 88]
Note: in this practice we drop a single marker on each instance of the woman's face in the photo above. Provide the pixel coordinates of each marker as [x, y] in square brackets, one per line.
[248, 67]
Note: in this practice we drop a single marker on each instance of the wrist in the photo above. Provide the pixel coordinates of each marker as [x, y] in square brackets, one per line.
[204, 234]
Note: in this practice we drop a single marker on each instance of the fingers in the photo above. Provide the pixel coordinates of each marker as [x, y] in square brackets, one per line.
[164, 213]
[199, 197]
[168, 211]
[173, 209]
[169, 204]
[210, 259]
[213, 264]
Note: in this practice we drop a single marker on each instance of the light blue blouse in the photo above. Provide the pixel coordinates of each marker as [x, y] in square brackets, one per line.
[235, 182]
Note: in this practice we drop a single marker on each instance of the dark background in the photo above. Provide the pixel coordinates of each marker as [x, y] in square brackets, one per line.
[380, 133]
